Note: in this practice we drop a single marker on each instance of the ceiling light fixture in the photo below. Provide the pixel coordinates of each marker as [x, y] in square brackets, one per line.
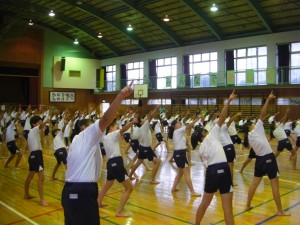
[76, 42]
[213, 8]
[166, 18]
[100, 35]
[51, 13]
[129, 28]
[30, 23]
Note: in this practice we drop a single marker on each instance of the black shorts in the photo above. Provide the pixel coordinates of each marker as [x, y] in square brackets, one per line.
[218, 177]
[103, 152]
[13, 149]
[298, 141]
[266, 165]
[116, 170]
[53, 122]
[236, 139]
[229, 152]
[67, 141]
[61, 155]
[79, 201]
[284, 144]
[252, 154]
[180, 158]
[146, 153]
[35, 160]
[25, 134]
[22, 123]
[126, 137]
[159, 137]
[287, 132]
[135, 145]
[47, 130]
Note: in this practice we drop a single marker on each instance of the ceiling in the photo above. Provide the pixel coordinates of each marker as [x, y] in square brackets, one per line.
[191, 21]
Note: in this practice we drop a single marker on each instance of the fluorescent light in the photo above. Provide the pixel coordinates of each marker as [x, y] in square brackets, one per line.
[166, 18]
[213, 8]
[129, 28]
[51, 13]
[76, 42]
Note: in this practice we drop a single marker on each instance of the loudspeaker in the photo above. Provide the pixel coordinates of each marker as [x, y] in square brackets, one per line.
[63, 63]
[140, 103]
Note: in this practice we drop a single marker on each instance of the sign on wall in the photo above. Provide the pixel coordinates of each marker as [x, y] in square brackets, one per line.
[61, 96]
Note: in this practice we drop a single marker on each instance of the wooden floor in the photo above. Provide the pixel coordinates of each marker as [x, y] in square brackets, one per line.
[151, 204]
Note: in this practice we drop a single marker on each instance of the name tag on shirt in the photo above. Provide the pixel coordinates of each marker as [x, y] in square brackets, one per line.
[73, 196]
[220, 171]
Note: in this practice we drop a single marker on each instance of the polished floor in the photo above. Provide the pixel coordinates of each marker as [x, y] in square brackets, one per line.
[148, 203]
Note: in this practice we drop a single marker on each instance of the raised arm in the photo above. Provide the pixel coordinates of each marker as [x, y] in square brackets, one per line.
[128, 125]
[263, 111]
[152, 113]
[285, 116]
[111, 112]
[233, 118]
[193, 122]
[224, 112]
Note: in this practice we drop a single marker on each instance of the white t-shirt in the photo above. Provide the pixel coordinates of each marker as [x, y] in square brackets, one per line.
[135, 133]
[157, 128]
[297, 130]
[231, 129]
[111, 144]
[58, 141]
[211, 150]
[146, 137]
[224, 136]
[10, 132]
[84, 155]
[258, 140]
[279, 132]
[179, 138]
[27, 125]
[34, 140]
[67, 129]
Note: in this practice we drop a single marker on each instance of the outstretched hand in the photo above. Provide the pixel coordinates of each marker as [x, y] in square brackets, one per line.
[126, 91]
[271, 95]
[232, 95]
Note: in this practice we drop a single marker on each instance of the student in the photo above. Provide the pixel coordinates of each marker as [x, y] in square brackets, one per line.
[60, 150]
[218, 176]
[296, 131]
[283, 141]
[159, 137]
[35, 160]
[115, 166]
[227, 143]
[179, 155]
[80, 192]
[145, 150]
[11, 144]
[265, 162]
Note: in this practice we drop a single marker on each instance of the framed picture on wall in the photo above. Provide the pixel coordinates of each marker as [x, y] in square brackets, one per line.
[62, 96]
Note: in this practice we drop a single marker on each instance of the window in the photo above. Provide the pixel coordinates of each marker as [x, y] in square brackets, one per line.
[159, 102]
[166, 70]
[201, 67]
[250, 65]
[130, 102]
[111, 78]
[295, 63]
[256, 101]
[135, 71]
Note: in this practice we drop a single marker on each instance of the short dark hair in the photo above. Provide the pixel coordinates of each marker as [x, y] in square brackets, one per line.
[34, 120]
[54, 132]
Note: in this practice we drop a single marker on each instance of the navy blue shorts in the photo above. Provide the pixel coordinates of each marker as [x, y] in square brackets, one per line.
[35, 160]
[287, 132]
[61, 155]
[252, 154]
[103, 152]
[284, 144]
[266, 165]
[79, 201]
[126, 137]
[298, 142]
[159, 137]
[135, 145]
[180, 158]
[229, 152]
[218, 177]
[12, 147]
[25, 134]
[116, 170]
[236, 139]
[146, 153]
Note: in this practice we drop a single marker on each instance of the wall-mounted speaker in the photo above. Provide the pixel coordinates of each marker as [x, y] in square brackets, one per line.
[63, 63]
